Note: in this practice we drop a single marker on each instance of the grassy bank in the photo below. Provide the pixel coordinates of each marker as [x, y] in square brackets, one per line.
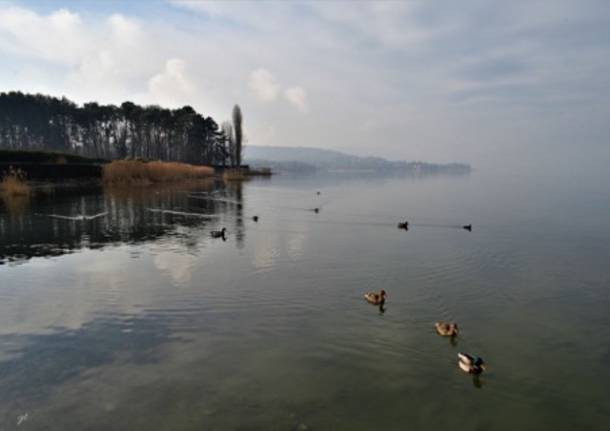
[140, 172]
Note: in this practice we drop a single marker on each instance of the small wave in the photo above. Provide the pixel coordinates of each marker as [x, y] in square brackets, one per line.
[181, 213]
[228, 201]
[80, 217]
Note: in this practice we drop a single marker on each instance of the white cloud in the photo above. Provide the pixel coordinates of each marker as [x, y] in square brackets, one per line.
[264, 85]
[297, 97]
[266, 88]
[390, 23]
[171, 86]
[59, 37]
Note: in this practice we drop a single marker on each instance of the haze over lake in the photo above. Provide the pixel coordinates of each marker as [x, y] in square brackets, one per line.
[138, 319]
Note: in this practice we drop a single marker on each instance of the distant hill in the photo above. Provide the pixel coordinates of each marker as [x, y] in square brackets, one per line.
[303, 159]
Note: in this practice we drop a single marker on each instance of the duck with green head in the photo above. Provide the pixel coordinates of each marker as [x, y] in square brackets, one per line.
[471, 364]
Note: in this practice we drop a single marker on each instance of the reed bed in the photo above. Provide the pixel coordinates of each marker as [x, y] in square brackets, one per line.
[14, 183]
[140, 172]
[236, 174]
[263, 172]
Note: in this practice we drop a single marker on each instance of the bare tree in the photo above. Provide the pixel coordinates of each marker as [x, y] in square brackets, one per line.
[239, 134]
[227, 129]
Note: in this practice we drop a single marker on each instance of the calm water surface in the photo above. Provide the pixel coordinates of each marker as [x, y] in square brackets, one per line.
[134, 318]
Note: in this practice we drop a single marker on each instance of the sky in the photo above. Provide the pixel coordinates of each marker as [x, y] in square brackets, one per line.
[476, 81]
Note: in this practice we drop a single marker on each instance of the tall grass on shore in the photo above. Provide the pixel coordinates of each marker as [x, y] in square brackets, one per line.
[140, 172]
[13, 183]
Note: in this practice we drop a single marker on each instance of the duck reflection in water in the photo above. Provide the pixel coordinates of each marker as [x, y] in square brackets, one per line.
[476, 381]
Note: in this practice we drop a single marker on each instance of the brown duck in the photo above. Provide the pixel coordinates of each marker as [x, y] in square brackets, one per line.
[446, 329]
[376, 298]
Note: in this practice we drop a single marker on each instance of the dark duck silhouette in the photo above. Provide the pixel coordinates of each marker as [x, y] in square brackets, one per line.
[470, 364]
[403, 225]
[219, 233]
[255, 218]
[468, 227]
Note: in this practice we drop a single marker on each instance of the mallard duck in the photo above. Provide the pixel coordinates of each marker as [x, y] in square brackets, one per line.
[376, 298]
[255, 218]
[403, 225]
[446, 329]
[471, 364]
[468, 227]
[219, 233]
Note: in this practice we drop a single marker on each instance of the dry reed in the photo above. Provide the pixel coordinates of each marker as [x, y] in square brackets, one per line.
[139, 172]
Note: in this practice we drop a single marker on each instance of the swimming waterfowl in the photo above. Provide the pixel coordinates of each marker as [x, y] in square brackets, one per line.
[468, 227]
[255, 218]
[316, 210]
[376, 298]
[471, 364]
[403, 225]
[317, 193]
[219, 233]
[446, 329]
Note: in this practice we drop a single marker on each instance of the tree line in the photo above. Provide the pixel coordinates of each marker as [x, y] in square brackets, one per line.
[39, 122]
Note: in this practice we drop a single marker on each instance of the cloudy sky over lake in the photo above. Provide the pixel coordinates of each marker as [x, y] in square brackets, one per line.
[470, 80]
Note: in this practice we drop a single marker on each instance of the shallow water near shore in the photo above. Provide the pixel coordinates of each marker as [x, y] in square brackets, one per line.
[118, 310]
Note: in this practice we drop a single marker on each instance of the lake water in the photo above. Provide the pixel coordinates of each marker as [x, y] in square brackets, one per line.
[135, 318]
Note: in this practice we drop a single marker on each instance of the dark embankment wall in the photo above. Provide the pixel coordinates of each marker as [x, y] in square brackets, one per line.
[54, 171]
[42, 165]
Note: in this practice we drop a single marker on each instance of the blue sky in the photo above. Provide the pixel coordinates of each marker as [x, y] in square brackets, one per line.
[474, 80]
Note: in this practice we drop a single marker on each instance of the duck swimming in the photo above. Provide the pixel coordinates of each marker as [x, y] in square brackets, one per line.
[255, 218]
[403, 225]
[468, 227]
[219, 233]
[376, 298]
[446, 329]
[471, 364]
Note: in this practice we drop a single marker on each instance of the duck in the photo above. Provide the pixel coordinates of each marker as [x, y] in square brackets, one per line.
[255, 218]
[403, 225]
[317, 193]
[316, 210]
[468, 227]
[376, 298]
[470, 363]
[219, 233]
[446, 329]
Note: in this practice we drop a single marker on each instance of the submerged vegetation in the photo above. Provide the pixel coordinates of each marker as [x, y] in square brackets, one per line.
[14, 184]
[14, 191]
[142, 172]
